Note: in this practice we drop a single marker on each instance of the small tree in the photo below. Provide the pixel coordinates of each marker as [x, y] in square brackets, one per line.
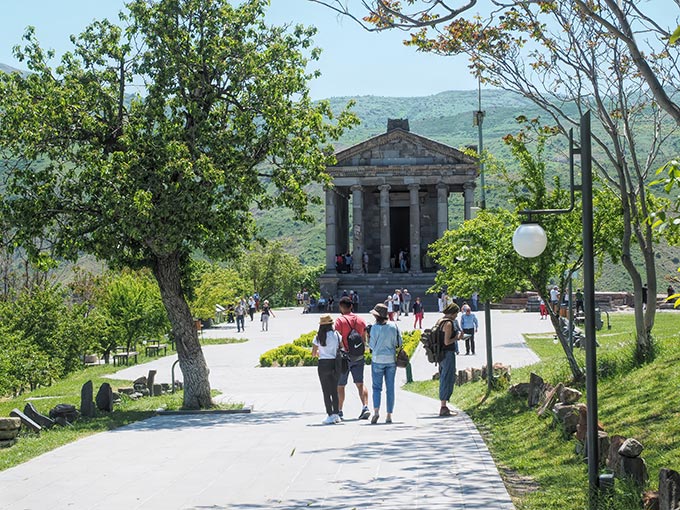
[217, 286]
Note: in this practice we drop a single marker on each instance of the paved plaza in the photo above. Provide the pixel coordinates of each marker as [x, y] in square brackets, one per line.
[280, 456]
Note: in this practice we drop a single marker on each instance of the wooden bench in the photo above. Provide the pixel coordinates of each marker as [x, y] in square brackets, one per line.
[154, 348]
[120, 357]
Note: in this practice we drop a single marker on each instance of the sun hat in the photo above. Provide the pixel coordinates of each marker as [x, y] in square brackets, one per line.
[451, 309]
[379, 311]
[325, 319]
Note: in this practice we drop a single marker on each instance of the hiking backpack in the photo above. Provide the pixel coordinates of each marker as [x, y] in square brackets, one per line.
[433, 342]
[355, 344]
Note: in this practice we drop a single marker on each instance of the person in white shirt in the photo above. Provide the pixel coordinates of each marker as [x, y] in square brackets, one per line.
[325, 347]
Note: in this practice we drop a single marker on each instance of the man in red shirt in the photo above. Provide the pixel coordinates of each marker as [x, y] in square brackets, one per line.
[344, 325]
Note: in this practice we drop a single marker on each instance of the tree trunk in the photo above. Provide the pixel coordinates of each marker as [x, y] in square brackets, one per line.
[191, 360]
[576, 371]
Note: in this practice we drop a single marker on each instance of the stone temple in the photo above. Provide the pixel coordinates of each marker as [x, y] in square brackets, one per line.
[390, 194]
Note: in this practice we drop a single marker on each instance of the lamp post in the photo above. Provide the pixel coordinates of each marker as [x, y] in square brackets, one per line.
[478, 120]
[530, 240]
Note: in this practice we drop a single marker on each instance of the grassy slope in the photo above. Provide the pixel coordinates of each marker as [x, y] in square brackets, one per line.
[539, 465]
[67, 391]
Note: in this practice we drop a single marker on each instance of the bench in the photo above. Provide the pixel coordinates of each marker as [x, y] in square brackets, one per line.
[120, 357]
[154, 348]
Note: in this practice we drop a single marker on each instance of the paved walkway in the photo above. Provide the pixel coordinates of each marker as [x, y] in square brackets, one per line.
[280, 456]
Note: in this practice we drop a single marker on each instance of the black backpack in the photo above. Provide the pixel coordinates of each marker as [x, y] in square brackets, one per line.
[433, 341]
[355, 344]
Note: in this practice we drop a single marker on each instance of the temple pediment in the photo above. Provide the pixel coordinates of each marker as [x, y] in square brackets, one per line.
[401, 148]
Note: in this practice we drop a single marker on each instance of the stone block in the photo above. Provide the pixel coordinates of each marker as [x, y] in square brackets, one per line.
[550, 400]
[8, 434]
[461, 378]
[570, 395]
[105, 398]
[536, 390]
[6, 443]
[613, 457]
[36, 416]
[25, 420]
[157, 390]
[12, 423]
[476, 374]
[150, 378]
[634, 469]
[86, 401]
[669, 489]
[631, 448]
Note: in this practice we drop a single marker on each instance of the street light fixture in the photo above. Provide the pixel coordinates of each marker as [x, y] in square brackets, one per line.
[529, 240]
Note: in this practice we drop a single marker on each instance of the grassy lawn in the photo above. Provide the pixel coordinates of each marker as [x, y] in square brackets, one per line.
[67, 391]
[539, 466]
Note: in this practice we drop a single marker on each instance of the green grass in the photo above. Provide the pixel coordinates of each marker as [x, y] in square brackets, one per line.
[538, 464]
[67, 391]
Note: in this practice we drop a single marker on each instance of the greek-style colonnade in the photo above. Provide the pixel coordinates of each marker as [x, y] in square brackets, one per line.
[390, 194]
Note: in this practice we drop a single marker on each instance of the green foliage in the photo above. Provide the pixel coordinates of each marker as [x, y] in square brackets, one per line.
[411, 340]
[130, 308]
[217, 285]
[276, 274]
[479, 256]
[288, 355]
[305, 340]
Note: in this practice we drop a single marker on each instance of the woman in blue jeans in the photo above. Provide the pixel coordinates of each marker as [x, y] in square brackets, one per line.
[384, 341]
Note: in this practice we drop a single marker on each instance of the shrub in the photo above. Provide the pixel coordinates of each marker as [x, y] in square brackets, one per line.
[288, 355]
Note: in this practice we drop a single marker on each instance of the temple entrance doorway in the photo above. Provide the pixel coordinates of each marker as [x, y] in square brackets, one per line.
[400, 238]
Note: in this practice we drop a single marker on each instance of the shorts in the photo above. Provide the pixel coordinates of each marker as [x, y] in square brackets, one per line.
[357, 369]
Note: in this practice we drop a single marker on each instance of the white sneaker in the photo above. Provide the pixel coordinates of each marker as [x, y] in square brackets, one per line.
[330, 420]
[337, 418]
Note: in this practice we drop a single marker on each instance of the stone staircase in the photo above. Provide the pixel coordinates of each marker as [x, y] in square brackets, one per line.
[374, 287]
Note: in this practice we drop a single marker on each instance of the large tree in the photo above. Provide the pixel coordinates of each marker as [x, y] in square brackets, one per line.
[221, 113]
[568, 57]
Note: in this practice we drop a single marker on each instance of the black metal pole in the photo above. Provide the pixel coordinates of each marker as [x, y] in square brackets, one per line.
[589, 304]
[487, 304]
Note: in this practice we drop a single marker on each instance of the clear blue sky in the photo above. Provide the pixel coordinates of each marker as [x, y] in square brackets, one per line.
[353, 62]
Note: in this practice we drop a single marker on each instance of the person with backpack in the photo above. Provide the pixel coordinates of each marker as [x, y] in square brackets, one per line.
[352, 329]
[450, 333]
[384, 341]
[325, 346]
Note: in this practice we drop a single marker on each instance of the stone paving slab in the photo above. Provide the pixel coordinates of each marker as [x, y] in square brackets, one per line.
[279, 456]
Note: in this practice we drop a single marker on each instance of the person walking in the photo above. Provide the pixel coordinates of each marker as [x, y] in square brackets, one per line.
[240, 312]
[384, 341]
[325, 346]
[264, 316]
[418, 312]
[389, 303]
[475, 301]
[251, 307]
[543, 309]
[450, 330]
[579, 301]
[469, 325]
[344, 325]
[406, 303]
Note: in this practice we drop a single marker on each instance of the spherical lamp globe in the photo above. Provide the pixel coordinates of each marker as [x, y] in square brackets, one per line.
[529, 240]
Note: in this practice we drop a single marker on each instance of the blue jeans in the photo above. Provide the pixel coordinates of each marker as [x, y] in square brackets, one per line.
[447, 375]
[388, 371]
[239, 323]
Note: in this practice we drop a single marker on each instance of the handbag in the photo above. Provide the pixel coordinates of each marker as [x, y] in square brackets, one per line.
[402, 358]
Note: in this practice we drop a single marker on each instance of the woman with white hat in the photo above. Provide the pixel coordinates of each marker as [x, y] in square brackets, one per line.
[325, 346]
[384, 341]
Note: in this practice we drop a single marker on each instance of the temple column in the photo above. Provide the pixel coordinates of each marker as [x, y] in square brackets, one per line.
[469, 196]
[358, 227]
[385, 245]
[414, 211]
[331, 233]
[442, 209]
